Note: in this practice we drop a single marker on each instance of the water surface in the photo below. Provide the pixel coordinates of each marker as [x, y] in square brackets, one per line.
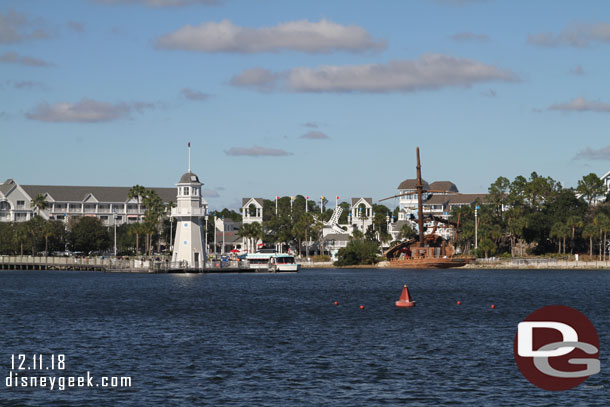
[278, 340]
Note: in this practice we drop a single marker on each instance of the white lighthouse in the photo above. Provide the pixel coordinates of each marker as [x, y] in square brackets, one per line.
[190, 211]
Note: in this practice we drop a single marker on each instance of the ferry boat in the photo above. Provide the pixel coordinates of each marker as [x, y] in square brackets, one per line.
[273, 262]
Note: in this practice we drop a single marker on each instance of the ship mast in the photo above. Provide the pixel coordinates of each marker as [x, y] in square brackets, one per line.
[420, 211]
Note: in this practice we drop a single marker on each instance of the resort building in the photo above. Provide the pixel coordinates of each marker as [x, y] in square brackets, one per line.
[252, 210]
[109, 204]
[438, 199]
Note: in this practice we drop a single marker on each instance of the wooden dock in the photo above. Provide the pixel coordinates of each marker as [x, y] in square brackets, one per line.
[112, 264]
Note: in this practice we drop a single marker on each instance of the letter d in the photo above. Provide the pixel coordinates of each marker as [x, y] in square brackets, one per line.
[526, 339]
[9, 380]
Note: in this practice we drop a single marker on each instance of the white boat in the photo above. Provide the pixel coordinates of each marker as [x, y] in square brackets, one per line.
[274, 262]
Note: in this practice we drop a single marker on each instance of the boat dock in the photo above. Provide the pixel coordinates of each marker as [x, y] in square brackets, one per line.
[112, 264]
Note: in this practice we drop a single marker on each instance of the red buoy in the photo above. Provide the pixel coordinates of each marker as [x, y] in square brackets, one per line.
[459, 303]
[493, 306]
[405, 299]
[362, 307]
[336, 303]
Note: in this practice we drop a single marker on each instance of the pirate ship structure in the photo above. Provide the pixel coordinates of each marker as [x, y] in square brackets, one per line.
[428, 250]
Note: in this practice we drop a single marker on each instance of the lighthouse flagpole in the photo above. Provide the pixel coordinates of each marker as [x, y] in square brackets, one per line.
[189, 156]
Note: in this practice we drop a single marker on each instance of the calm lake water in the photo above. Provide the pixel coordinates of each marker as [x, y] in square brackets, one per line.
[278, 340]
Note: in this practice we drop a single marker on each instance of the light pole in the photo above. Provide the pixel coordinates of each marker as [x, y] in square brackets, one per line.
[114, 218]
[214, 233]
[476, 227]
[171, 230]
[207, 248]
[222, 251]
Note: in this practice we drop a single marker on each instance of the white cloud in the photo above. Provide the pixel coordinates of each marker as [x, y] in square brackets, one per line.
[431, 71]
[76, 26]
[85, 111]
[580, 104]
[315, 135]
[259, 79]
[26, 84]
[468, 36]
[192, 94]
[303, 35]
[256, 151]
[210, 193]
[15, 27]
[161, 3]
[591, 154]
[14, 58]
[575, 35]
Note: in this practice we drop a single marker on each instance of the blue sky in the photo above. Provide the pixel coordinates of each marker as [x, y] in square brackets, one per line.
[312, 98]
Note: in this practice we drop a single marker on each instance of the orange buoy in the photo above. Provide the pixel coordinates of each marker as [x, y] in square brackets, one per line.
[362, 307]
[459, 303]
[405, 299]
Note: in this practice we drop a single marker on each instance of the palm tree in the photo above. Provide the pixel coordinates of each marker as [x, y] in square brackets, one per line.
[560, 231]
[601, 221]
[590, 231]
[168, 212]
[47, 231]
[136, 229]
[20, 235]
[245, 232]
[153, 213]
[574, 222]
[137, 192]
[39, 203]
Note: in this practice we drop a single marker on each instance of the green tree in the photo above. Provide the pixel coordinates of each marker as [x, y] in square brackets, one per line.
[590, 232]
[154, 211]
[602, 223]
[590, 187]
[487, 246]
[20, 235]
[498, 193]
[136, 229]
[39, 203]
[88, 234]
[574, 222]
[406, 232]
[358, 251]
[560, 231]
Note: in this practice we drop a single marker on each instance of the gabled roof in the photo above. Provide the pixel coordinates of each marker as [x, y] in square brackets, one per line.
[104, 194]
[7, 186]
[466, 198]
[447, 186]
[259, 201]
[412, 184]
[368, 200]
[437, 200]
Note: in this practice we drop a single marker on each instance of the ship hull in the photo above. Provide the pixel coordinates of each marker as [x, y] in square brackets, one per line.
[441, 263]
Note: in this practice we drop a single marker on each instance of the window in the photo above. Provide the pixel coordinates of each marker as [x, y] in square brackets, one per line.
[186, 190]
[20, 204]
